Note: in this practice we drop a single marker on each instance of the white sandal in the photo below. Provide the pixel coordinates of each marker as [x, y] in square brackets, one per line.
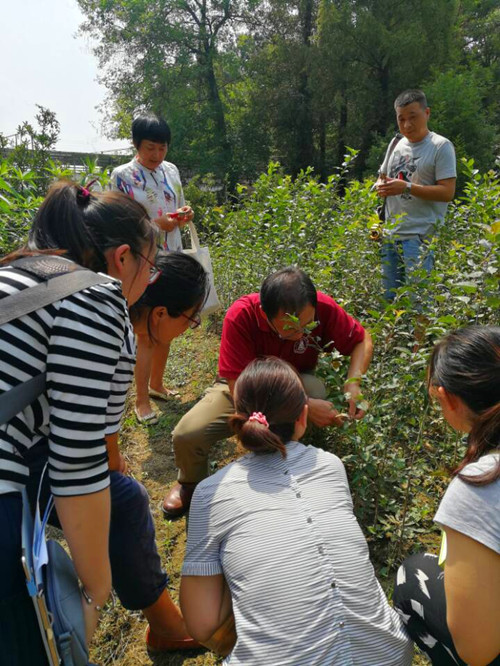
[147, 419]
[163, 396]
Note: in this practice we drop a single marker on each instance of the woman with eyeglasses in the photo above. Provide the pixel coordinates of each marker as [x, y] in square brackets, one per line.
[178, 286]
[177, 289]
[80, 342]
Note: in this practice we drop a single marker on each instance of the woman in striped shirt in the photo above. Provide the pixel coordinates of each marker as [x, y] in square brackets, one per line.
[77, 341]
[273, 539]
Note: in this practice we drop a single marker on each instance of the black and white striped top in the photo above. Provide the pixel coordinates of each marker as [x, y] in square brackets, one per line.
[85, 345]
[303, 588]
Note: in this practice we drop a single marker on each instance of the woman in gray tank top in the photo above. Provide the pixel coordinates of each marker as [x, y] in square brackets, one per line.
[455, 618]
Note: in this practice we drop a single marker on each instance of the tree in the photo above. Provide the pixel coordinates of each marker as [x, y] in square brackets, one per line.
[31, 150]
[163, 55]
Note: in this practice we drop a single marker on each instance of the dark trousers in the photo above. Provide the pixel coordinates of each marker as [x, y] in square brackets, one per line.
[420, 600]
[20, 639]
[138, 577]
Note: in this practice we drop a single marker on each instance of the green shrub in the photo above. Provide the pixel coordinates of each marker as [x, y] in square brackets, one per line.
[399, 456]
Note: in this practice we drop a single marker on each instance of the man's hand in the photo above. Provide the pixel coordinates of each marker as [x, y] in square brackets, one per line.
[354, 390]
[390, 187]
[322, 413]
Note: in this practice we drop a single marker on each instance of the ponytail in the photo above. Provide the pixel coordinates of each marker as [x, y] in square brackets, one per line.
[269, 398]
[259, 438]
[84, 225]
[483, 438]
[467, 364]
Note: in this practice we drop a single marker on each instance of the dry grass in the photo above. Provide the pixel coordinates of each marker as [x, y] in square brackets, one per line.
[192, 367]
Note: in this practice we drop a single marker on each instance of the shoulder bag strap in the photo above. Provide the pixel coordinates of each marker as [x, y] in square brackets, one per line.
[395, 140]
[49, 291]
[29, 300]
[195, 241]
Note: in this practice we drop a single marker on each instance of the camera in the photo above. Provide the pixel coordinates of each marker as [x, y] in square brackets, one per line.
[376, 232]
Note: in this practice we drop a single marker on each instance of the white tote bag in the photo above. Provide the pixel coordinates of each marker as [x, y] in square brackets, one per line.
[202, 254]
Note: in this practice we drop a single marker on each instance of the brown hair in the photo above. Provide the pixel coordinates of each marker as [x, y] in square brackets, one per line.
[273, 387]
[85, 224]
[467, 364]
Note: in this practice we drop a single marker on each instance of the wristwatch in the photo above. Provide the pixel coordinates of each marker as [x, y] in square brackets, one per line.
[408, 186]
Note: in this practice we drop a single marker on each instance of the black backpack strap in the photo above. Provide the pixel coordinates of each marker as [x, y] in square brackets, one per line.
[18, 398]
[61, 278]
[64, 278]
[394, 142]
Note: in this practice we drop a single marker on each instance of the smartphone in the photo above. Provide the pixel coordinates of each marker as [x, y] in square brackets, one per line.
[178, 213]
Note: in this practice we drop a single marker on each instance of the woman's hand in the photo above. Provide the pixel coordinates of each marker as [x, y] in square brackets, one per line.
[85, 523]
[169, 221]
[166, 223]
[185, 215]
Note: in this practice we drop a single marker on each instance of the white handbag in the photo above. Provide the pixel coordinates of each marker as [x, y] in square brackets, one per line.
[202, 254]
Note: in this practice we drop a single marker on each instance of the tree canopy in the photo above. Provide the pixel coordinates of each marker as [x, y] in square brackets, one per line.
[243, 82]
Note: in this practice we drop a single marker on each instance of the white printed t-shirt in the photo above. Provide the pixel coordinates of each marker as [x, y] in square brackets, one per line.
[158, 190]
[423, 163]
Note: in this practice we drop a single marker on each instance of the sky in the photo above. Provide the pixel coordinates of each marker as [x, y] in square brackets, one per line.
[44, 62]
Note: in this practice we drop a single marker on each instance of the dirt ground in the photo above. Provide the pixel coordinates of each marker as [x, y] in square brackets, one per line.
[148, 451]
[192, 366]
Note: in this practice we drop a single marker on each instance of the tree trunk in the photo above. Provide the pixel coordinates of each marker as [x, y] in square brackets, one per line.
[218, 116]
[304, 126]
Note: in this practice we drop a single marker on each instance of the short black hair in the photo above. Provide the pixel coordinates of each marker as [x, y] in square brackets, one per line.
[182, 285]
[151, 127]
[410, 96]
[289, 289]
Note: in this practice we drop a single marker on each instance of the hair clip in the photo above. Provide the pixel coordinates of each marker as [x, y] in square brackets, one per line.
[82, 195]
[260, 418]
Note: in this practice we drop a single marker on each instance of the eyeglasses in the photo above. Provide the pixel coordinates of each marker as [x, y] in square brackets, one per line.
[154, 272]
[293, 328]
[194, 321]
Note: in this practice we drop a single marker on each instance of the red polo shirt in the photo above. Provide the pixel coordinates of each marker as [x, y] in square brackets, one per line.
[247, 335]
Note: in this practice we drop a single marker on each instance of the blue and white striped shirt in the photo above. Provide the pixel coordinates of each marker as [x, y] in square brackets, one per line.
[283, 533]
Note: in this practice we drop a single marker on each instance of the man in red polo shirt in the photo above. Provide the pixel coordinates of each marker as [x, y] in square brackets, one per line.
[260, 325]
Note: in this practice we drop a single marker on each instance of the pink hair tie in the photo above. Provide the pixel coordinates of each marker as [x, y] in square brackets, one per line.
[260, 418]
[82, 195]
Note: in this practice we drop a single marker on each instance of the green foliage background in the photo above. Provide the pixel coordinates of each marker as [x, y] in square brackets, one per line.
[245, 82]
[400, 455]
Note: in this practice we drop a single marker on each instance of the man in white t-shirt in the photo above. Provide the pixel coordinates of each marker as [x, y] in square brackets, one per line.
[155, 184]
[417, 180]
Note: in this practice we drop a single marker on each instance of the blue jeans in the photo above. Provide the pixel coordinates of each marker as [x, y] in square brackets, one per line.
[136, 570]
[400, 258]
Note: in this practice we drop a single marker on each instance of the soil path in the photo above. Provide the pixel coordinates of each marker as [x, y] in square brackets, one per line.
[148, 450]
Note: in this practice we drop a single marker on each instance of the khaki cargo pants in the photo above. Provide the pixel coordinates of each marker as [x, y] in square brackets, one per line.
[207, 423]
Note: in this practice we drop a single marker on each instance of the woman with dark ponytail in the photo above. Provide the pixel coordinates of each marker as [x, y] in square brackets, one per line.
[277, 570]
[457, 621]
[83, 343]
